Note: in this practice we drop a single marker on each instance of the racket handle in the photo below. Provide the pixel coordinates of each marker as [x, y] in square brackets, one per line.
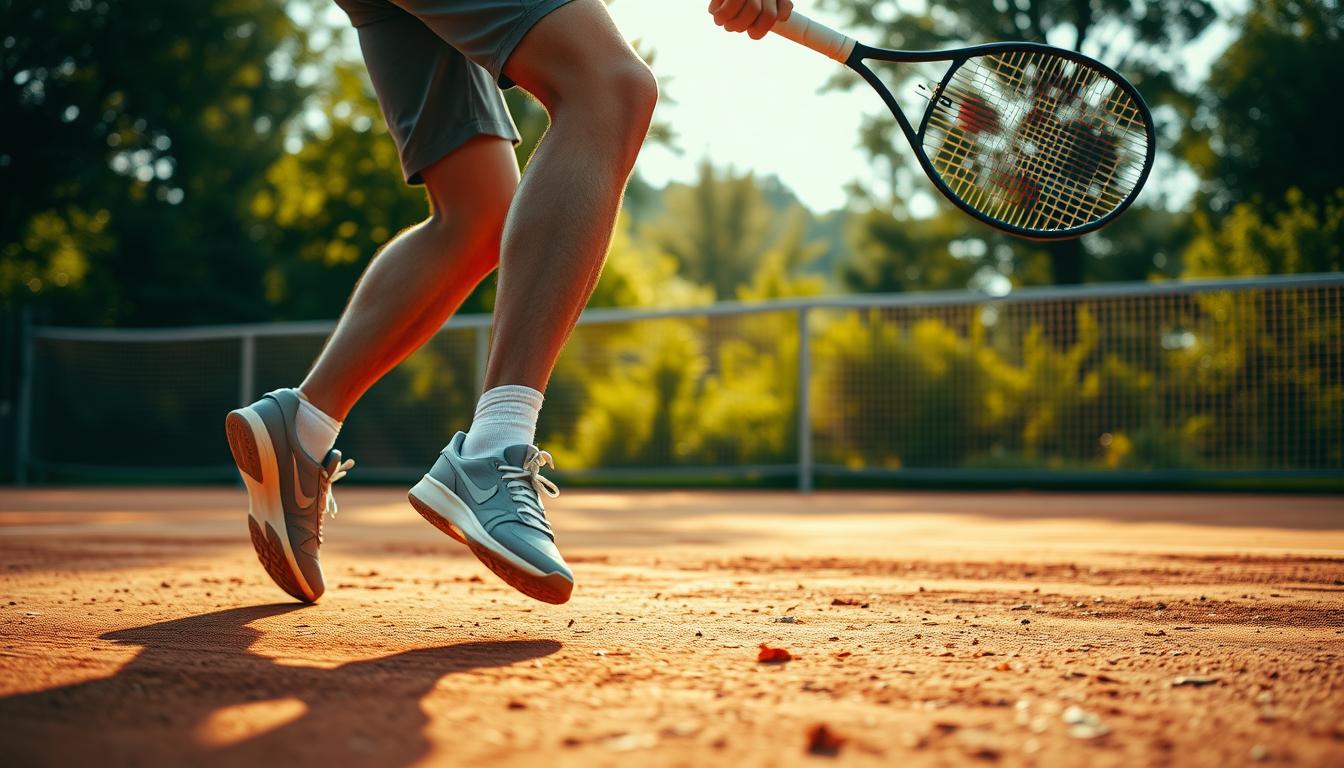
[815, 35]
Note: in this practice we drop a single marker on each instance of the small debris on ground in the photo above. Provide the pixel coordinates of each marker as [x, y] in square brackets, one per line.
[821, 740]
[1083, 724]
[1194, 680]
[768, 654]
[848, 601]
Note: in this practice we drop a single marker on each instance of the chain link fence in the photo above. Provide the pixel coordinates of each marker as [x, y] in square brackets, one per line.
[1237, 380]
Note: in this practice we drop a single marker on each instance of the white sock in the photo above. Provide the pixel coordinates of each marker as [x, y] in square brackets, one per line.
[317, 431]
[505, 416]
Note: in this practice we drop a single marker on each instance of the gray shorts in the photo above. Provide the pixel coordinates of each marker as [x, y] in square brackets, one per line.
[437, 67]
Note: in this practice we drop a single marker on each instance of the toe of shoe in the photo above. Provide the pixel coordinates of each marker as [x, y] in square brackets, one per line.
[533, 546]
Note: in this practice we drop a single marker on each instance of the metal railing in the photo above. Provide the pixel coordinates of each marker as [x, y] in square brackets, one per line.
[1227, 378]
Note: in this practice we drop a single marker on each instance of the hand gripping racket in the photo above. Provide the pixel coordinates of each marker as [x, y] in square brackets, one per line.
[1037, 141]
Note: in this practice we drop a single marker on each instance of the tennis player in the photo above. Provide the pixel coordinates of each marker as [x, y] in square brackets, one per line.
[438, 67]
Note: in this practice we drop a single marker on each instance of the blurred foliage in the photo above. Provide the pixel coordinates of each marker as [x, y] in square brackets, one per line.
[1231, 381]
[698, 391]
[638, 274]
[226, 161]
[1297, 236]
[137, 133]
[185, 164]
[1268, 124]
[723, 227]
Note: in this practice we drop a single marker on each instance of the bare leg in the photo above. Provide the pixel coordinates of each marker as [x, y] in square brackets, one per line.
[421, 277]
[600, 98]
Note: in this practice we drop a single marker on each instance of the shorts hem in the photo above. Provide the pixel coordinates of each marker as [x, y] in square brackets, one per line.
[450, 141]
[515, 36]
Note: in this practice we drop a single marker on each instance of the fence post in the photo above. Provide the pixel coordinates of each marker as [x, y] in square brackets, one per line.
[24, 422]
[247, 372]
[482, 355]
[804, 403]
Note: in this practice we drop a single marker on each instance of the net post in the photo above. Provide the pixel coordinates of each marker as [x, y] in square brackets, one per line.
[247, 372]
[482, 333]
[24, 426]
[804, 403]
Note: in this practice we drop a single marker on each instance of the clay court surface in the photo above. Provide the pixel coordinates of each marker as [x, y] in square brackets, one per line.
[136, 628]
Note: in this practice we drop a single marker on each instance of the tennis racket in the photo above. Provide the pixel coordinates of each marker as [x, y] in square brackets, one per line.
[1037, 141]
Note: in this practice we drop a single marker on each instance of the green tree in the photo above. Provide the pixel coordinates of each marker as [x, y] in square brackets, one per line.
[637, 274]
[1297, 236]
[133, 138]
[1270, 121]
[891, 252]
[720, 228]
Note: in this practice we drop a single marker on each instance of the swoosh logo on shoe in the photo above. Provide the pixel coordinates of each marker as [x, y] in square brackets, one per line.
[303, 500]
[478, 494]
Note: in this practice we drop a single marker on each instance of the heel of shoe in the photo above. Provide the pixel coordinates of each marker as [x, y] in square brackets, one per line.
[243, 445]
[433, 517]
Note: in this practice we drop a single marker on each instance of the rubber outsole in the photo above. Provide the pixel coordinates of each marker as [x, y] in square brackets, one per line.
[552, 588]
[270, 550]
[243, 445]
[272, 556]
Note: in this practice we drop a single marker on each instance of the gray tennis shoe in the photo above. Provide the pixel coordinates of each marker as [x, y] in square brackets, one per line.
[494, 506]
[289, 492]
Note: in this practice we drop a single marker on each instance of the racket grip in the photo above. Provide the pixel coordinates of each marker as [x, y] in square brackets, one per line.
[815, 35]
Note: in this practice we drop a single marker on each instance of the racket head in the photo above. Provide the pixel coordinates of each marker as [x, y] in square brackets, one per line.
[1037, 141]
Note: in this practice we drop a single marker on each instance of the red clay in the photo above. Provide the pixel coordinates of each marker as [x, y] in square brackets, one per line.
[136, 628]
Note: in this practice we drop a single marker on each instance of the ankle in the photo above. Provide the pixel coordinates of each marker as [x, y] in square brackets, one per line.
[330, 404]
[316, 429]
[505, 416]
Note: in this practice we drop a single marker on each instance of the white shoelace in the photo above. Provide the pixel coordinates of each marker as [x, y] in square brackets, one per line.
[526, 484]
[331, 508]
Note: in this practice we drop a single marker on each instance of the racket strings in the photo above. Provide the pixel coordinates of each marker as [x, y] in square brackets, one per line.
[1036, 141]
[1045, 151]
[1059, 206]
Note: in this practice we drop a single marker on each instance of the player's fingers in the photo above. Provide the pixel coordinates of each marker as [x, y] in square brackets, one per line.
[785, 9]
[727, 11]
[763, 22]
[744, 18]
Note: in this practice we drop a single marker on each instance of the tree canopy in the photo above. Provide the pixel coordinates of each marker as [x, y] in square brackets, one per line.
[226, 161]
[133, 138]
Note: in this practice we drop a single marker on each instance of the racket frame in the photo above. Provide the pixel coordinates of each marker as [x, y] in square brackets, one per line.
[853, 54]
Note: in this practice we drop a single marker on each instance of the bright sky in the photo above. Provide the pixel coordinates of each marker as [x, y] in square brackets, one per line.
[752, 105]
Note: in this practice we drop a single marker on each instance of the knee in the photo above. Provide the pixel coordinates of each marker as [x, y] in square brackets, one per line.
[474, 213]
[616, 102]
[471, 189]
[634, 90]
[470, 221]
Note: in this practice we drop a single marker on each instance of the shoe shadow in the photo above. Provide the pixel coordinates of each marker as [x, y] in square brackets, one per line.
[193, 694]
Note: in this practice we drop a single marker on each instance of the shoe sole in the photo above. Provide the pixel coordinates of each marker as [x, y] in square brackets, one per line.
[250, 444]
[447, 512]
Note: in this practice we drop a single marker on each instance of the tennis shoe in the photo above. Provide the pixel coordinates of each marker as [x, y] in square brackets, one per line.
[494, 506]
[289, 492]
